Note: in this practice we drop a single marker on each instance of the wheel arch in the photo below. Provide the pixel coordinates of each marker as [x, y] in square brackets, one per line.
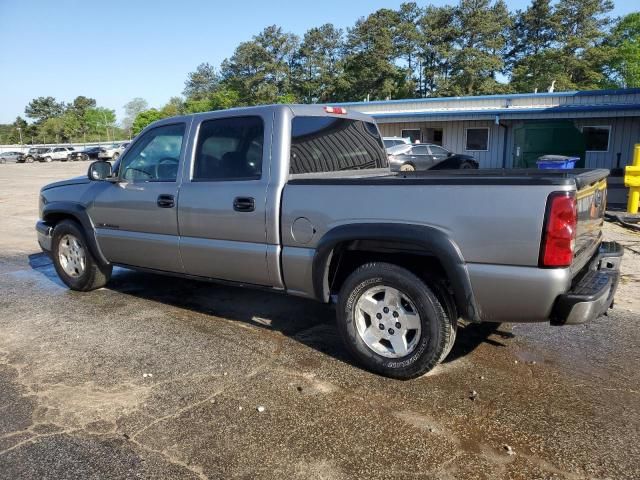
[55, 212]
[416, 247]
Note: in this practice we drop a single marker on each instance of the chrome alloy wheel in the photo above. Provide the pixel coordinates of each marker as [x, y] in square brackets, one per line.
[388, 321]
[72, 256]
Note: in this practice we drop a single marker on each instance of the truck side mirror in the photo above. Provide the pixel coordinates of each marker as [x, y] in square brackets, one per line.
[99, 170]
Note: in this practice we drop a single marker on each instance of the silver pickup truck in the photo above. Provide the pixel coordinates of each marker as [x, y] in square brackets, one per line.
[300, 199]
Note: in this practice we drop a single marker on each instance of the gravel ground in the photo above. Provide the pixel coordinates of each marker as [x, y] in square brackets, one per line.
[158, 378]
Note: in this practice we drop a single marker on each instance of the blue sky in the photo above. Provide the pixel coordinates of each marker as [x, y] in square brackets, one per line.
[116, 50]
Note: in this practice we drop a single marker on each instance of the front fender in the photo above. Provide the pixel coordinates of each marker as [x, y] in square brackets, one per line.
[53, 212]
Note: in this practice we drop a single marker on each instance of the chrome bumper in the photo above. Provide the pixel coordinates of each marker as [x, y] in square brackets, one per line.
[593, 293]
[45, 233]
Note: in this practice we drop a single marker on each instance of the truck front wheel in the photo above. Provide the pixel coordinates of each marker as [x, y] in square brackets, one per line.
[74, 263]
[392, 322]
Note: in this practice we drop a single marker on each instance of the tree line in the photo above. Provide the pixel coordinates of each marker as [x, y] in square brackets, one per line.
[476, 47]
[81, 120]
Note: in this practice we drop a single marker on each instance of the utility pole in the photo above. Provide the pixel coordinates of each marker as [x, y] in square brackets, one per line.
[106, 126]
[20, 133]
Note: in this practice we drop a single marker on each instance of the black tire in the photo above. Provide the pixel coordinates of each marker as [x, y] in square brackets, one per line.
[446, 300]
[115, 157]
[435, 324]
[28, 160]
[94, 275]
[466, 165]
[408, 167]
[47, 159]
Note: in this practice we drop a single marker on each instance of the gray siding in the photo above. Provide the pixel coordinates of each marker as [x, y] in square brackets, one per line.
[625, 132]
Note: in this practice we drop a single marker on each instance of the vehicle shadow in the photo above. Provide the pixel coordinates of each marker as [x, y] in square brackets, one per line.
[306, 321]
[471, 335]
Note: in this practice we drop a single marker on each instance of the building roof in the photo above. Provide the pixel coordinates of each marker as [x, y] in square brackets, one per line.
[576, 104]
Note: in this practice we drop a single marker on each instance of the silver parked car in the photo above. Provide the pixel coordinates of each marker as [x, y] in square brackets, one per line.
[300, 199]
[11, 157]
[393, 141]
[54, 153]
[112, 152]
[425, 156]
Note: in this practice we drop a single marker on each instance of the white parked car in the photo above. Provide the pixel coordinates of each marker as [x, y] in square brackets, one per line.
[112, 152]
[54, 153]
[393, 141]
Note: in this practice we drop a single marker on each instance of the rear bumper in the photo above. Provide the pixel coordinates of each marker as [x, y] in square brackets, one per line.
[45, 233]
[592, 293]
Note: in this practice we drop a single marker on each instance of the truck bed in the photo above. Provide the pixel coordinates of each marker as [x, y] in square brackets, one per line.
[579, 177]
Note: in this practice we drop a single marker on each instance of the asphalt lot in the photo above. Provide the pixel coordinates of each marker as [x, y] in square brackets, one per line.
[157, 377]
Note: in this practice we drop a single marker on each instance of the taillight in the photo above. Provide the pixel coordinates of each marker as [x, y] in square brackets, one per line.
[336, 110]
[559, 233]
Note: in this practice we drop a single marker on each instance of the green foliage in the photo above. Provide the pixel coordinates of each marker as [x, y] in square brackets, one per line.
[202, 82]
[260, 70]
[622, 49]
[197, 106]
[317, 64]
[42, 108]
[560, 45]
[145, 118]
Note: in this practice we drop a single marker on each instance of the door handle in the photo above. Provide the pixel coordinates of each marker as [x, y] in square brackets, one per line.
[166, 201]
[244, 204]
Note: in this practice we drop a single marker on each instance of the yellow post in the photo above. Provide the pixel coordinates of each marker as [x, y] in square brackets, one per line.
[632, 180]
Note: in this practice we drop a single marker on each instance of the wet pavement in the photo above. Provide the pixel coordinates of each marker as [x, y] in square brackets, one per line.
[155, 377]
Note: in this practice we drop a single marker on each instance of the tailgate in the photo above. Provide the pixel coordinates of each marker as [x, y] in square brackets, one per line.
[591, 202]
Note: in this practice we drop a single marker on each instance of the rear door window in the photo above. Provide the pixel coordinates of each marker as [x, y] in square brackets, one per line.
[420, 150]
[229, 149]
[328, 144]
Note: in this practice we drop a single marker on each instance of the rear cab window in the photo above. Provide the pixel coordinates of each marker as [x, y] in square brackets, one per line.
[330, 144]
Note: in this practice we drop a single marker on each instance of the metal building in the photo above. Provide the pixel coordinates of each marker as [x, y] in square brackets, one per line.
[600, 126]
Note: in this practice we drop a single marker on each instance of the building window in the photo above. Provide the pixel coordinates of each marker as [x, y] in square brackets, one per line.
[477, 140]
[413, 134]
[433, 135]
[596, 139]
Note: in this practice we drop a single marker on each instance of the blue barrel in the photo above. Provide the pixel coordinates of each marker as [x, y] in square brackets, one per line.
[556, 162]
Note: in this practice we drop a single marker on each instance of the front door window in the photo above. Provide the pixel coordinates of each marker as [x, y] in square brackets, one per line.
[155, 157]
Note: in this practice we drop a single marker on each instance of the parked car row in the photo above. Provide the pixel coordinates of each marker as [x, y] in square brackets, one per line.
[66, 153]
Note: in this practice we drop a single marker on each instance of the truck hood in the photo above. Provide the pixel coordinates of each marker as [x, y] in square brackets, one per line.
[71, 181]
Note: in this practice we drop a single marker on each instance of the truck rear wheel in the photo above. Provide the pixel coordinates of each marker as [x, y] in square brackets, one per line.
[74, 263]
[392, 322]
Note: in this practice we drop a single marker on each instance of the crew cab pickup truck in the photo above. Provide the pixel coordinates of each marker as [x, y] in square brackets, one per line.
[300, 199]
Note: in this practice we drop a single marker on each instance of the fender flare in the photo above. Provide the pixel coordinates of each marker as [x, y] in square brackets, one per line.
[79, 213]
[427, 240]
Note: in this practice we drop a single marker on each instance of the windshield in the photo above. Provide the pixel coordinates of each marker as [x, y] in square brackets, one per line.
[327, 144]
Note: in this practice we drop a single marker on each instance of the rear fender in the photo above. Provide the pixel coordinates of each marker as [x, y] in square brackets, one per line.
[424, 240]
